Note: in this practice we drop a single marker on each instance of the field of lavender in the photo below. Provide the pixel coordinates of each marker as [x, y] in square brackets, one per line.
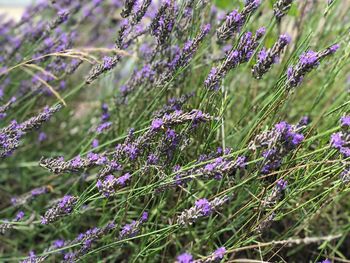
[175, 131]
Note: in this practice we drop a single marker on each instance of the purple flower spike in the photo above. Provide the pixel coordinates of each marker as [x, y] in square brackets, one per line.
[266, 58]
[201, 208]
[281, 8]
[130, 230]
[307, 62]
[62, 208]
[235, 20]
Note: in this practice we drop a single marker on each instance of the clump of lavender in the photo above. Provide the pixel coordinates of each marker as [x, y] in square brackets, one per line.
[235, 20]
[108, 64]
[61, 209]
[307, 62]
[130, 230]
[266, 58]
[245, 49]
[281, 8]
[275, 195]
[277, 143]
[202, 208]
[10, 136]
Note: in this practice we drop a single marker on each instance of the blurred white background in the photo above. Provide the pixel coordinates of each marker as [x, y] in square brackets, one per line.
[13, 8]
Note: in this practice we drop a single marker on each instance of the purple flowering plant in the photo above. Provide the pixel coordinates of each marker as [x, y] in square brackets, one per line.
[175, 131]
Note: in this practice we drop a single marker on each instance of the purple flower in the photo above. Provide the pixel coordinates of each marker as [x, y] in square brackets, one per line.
[285, 38]
[297, 138]
[336, 140]
[76, 162]
[282, 184]
[95, 143]
[152, 159]
[345, 151]
[220, 253]
[204, 206]
[170, 134]
[58, 243]
[184, 258]
[42, 136]
[130, 230]
[108, 63]
[345, 121]
[241, 162]
[334, 48]
[308, 58]
[262, 55]
[307, 62]
[156, 124]
[122, 180]
[62, 208]
[19, 216]
[103, 127]
[266, 58]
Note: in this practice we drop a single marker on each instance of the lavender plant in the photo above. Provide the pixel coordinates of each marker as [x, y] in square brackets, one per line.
[171, 132]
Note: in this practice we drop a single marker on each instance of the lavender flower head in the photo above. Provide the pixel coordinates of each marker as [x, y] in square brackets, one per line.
[278, 142]
[130, 230]
[281, 8]
[10, 136]
[108, 185]
[62, 208]
[266, 58]
[202, 208]
[235, 20]
[308, 61]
